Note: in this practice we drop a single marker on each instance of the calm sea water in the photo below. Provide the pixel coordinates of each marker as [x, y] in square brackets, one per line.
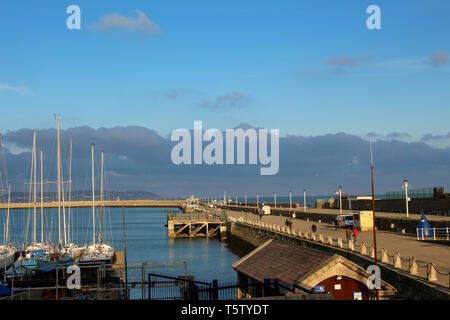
[146, 239]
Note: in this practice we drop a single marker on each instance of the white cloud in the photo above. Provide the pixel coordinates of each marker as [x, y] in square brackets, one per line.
[15, 149]
[23, 91]
[119, 22]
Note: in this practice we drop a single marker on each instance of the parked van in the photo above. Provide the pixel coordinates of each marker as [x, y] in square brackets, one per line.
[344, 221]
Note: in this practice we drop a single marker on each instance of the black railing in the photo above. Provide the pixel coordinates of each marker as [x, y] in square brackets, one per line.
[268, 288]
[171, 287]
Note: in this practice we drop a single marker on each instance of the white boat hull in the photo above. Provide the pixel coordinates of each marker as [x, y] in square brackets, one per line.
[97, 252]
[7, 255]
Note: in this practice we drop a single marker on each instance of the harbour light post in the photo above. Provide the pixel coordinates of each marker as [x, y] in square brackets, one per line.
[290, 199]
[405, 186]
[304, 200]
[340, 199]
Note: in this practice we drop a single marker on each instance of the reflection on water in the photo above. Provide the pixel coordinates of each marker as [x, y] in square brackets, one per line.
[146, 237]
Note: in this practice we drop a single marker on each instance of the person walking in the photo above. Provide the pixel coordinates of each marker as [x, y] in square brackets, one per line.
[355, 233]
[348, 234]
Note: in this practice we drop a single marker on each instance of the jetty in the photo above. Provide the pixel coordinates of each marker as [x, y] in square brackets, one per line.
[200, 224]
[111, 203]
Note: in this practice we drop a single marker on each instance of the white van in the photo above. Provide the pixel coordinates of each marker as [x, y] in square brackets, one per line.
[344, 221]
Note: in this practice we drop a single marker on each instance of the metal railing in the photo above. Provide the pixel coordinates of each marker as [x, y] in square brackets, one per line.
[209, 216]
[98, 281]
[433, 233]
[424, 270]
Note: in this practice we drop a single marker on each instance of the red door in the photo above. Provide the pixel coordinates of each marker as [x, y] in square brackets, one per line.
[342, 288]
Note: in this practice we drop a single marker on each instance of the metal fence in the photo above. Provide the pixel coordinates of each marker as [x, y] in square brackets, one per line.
[433, 233]
[209, 216]
[99, 281]
[173, 287]
[417, 267]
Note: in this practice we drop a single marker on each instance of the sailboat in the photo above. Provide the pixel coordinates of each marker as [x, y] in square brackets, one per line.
[48, 258]
[70, 247]
[36, 248]
[7, 249]
[97, 251]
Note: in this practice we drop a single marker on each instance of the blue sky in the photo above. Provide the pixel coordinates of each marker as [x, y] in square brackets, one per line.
[308, 68]
[275, 53]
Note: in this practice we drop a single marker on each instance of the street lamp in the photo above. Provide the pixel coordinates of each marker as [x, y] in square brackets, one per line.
[275, 199]
[405, 186]
[290, 199]
[245, 200]
[304, 199]
[257, 200]
[340, 199]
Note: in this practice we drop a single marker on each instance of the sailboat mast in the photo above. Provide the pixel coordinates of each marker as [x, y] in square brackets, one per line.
[93, 198]
[42, 198]
[7, 216]
[59, 187]
[70, 190]
[101, 203]
[34, 187]
[63, 209]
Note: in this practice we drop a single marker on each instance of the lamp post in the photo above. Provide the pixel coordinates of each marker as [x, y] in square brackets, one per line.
[405, 186]
[257, 200]
[275, 199]
[340, 199]
[290, 199]
[245, 200]
[373, 213]
[304, 199]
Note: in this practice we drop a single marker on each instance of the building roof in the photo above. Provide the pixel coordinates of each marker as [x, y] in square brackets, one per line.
[281, 260]
[304, 266]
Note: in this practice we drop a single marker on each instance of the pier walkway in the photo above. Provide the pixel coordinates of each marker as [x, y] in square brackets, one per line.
[112, 203]
[406, 245]
[334, 212]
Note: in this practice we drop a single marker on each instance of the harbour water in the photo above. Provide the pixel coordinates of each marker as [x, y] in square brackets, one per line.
[146, 239]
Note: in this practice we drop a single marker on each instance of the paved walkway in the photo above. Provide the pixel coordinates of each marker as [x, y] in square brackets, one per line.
[406, 246]
[392, 215]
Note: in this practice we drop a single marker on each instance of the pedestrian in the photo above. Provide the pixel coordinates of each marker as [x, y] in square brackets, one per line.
[288, 223]
[348, 233]
[355, 233]
[313, 228]
[335, 224]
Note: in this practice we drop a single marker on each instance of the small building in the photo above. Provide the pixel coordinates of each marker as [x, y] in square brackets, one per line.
[324, 203]
[300, 268]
